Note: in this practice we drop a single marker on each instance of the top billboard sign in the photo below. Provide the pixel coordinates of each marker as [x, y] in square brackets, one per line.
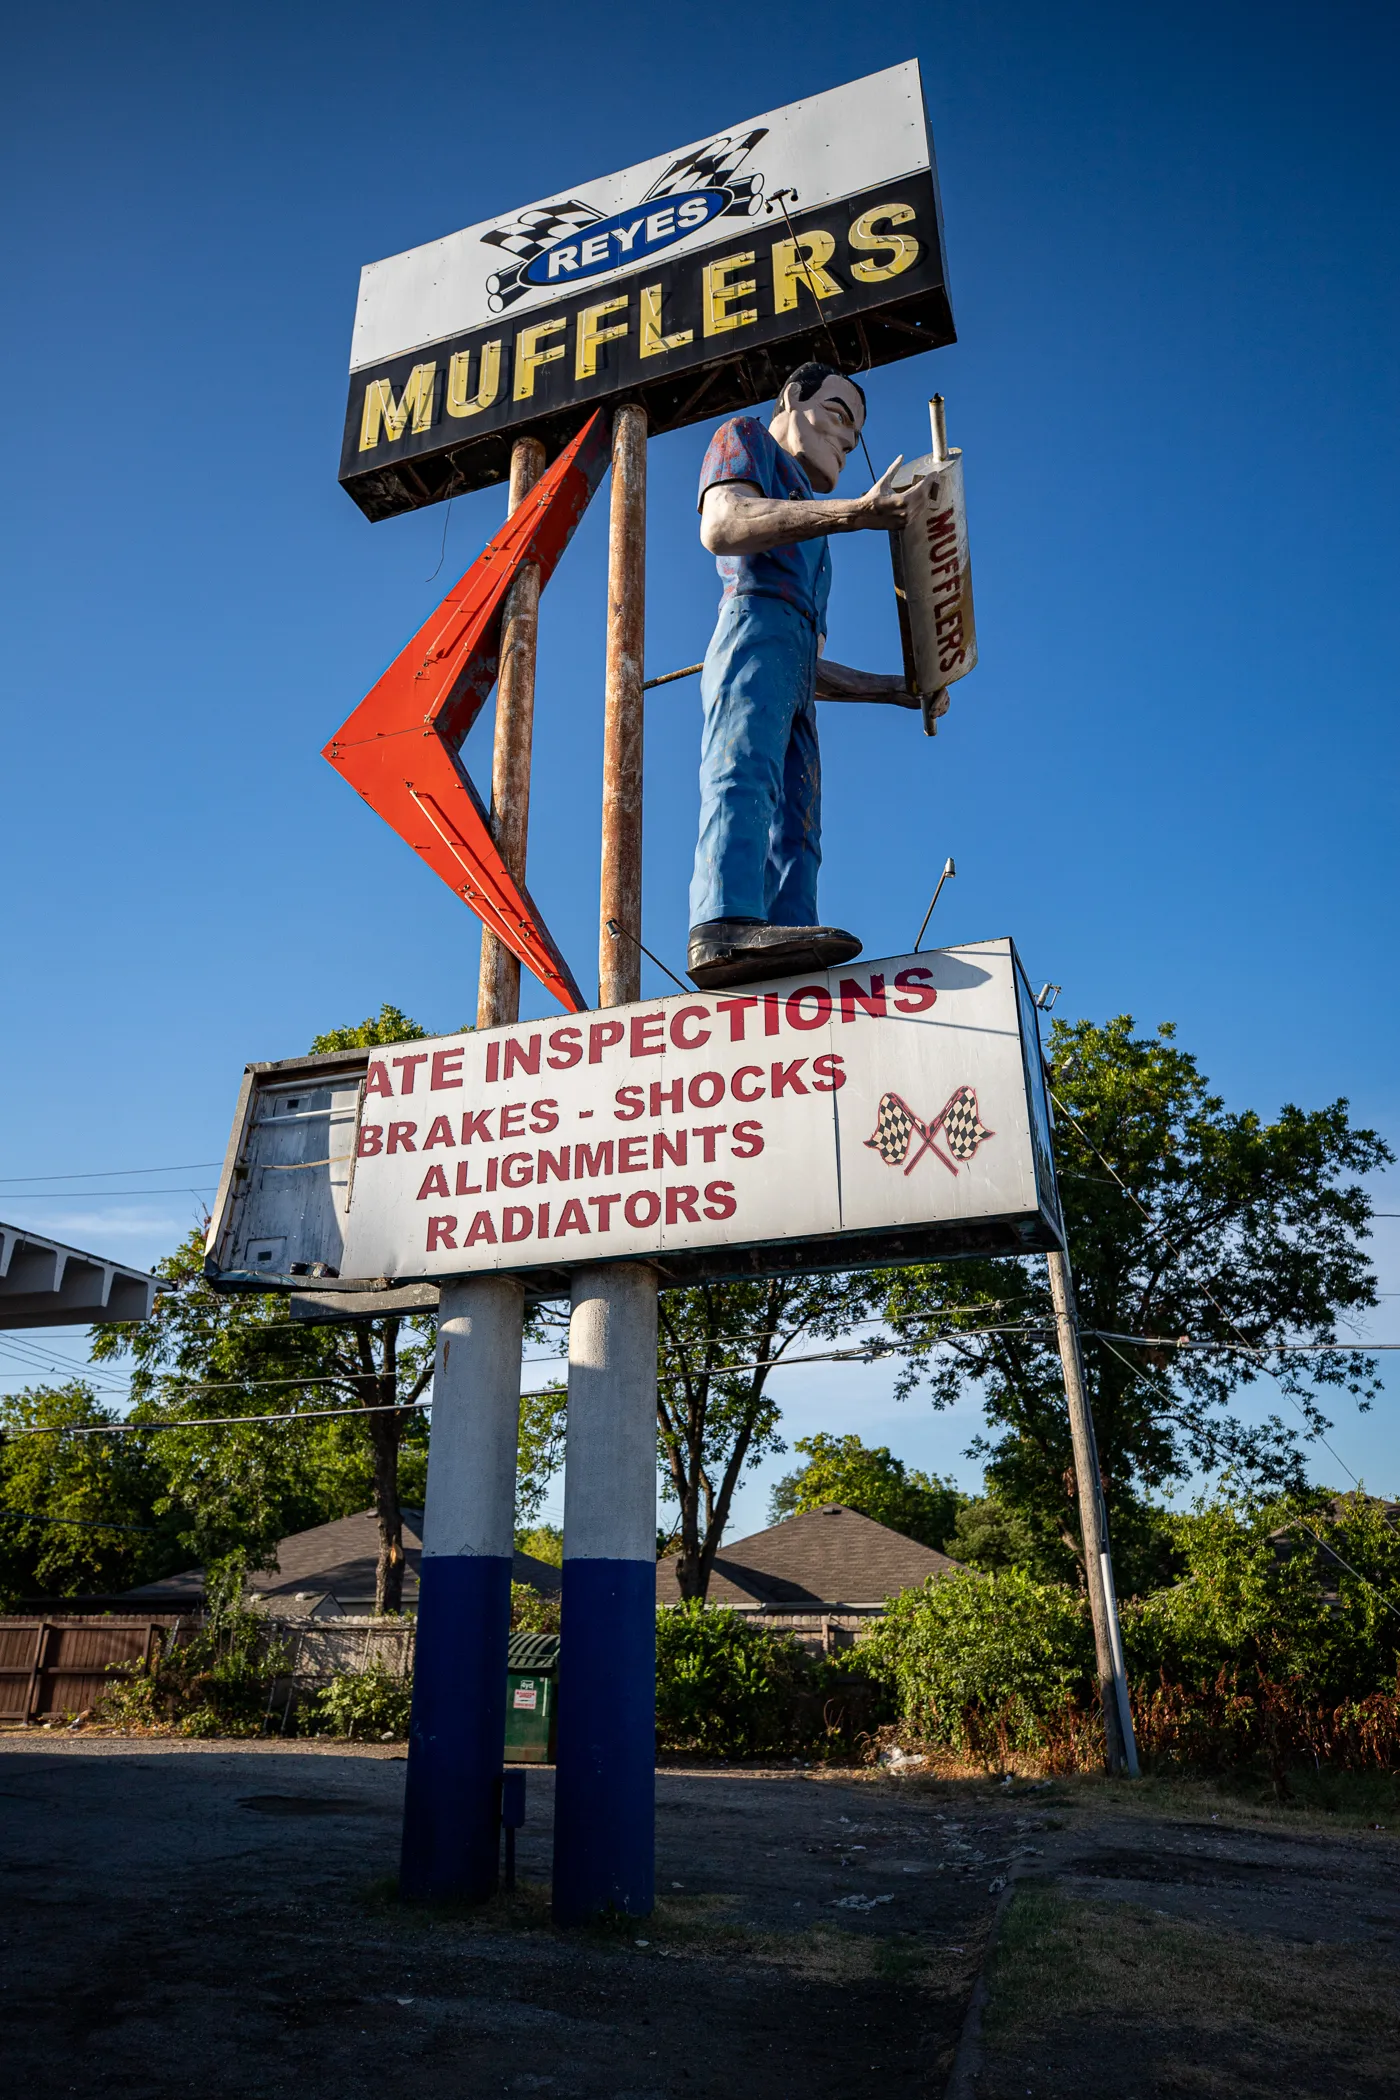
[879, 1113]
[693, 282]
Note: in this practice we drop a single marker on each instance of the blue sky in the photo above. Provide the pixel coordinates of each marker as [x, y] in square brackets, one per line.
[1172, 777]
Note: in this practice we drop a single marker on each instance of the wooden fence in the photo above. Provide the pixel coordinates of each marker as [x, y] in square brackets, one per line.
[59, 1665]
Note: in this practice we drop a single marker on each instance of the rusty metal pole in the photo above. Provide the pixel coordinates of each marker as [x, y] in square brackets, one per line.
[605, 1788]
[498, 989]
[1119, 1742]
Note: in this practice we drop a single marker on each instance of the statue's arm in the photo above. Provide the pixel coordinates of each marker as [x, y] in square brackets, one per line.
[737, 518]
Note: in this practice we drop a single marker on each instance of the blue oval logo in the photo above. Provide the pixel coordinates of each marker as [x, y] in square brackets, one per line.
[608, 244]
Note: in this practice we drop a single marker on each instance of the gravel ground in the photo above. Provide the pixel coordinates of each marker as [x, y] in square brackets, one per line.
[220, 1919]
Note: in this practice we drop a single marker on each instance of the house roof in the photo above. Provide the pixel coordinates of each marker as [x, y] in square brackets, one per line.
[827, 1556]
[336, 1559]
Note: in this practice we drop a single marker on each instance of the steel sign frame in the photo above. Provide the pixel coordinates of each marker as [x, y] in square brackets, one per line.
[815, 231]
[891, 1111]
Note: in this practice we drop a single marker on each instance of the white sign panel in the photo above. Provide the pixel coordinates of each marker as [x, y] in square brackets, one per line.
[852, 139]
[934, 571]
[834, 1114]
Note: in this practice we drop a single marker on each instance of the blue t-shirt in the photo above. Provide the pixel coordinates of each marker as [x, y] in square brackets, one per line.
[742, 450]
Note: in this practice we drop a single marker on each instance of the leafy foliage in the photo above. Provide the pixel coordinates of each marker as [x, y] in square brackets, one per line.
[542, 1542]
[367, 1703]
[77, 1513]
[872, 1480]
[539, 1455]
[990, 1535]
[531, 1611]
[216, 1682]
[1236, 1231]
[726, 1688]
[390, 1025]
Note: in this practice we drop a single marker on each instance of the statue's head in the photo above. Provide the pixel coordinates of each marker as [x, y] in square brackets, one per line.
[818, 420]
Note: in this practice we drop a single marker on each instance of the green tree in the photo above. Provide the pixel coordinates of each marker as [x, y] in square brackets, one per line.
[990, 1535]
[1236, 1231]
[871, 1479]
[77, 1513]
[204, 1353]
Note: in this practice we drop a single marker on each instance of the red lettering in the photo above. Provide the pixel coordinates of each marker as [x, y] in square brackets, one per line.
[522, 1057]
[797, 1018]
[632, 1208]
[371, 1140]
[644, 1027]
[632, 1155]
[517, 1170]
[592, 1160]
[434, 1184]
[736, 1010]
[672, 1097]
[664, 1148]
[828, 1073]
[441, 1233]
[378, 1080]
[440, 1134]
[680, 1205]
[493, 1060]
[543, 1227]
[786, 1079]
[679, 1018]
[918, 983]
[513, 1119]
[409, 1067]
[748, 1137]
[630, 1104]
[707, 1133]
[601, 1036]
[552, 1163]
[568, 1044]
[572, 1219]
[482, 1229]
[544, 1116]
[491, 1166]
[770, 1013]
[747, 1072]
[604, 1207]
[719, 1200]
[871, 1002]
[465, 1187]
[517, 1222]
[706, 1090]
[476, 1124]
[447, 1069]
[401, 1137]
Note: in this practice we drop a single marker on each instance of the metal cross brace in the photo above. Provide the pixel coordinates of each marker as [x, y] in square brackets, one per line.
[399, 749]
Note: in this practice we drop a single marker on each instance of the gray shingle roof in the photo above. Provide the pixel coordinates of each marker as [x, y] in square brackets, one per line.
[831, 1555]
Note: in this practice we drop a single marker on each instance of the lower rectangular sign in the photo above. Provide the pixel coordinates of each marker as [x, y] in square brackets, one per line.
[884, 1112]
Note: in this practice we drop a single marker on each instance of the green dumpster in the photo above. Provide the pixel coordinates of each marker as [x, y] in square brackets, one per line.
[532, 1679]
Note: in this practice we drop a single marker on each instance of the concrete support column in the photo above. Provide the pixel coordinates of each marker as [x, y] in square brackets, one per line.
[451, 1829]
[604, 1814]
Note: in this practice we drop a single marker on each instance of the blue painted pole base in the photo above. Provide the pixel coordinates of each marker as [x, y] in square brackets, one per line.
[605, 1782]
[456, 1743]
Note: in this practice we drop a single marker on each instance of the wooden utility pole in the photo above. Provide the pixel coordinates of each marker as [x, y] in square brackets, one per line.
[619, 957]
[1093, 1521]
[498, 989]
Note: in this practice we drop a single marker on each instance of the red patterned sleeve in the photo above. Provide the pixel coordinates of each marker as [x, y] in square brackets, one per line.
[733, 455]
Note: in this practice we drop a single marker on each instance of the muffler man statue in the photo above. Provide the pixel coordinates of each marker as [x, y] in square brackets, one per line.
[753, 897]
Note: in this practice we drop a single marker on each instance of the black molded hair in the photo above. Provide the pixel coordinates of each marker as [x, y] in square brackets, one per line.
[808, 379]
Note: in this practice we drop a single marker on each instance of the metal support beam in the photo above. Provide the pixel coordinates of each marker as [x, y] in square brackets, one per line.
[1120, 1746]
[604, 1818]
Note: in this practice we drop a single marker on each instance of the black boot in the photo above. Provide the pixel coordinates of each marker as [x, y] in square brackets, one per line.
[742, 951]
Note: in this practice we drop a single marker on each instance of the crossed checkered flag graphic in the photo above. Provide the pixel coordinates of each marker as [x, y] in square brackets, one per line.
[958, 1121]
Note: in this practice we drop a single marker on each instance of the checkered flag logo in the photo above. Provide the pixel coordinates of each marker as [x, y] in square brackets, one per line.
[958, 1122]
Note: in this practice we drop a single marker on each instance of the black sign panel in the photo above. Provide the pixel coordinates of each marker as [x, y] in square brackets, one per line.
[859, 282]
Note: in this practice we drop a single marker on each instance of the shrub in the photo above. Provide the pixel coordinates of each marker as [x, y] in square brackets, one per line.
[372, 1702]
[722, 1684]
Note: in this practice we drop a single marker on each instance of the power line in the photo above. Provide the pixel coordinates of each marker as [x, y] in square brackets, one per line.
[188, 1166]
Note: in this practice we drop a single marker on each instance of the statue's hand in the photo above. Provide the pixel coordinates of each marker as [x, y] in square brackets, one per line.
[889, 509]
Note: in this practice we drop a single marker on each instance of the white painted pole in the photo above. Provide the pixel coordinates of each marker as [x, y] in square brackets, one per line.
[604, 1812]
[457, 1738]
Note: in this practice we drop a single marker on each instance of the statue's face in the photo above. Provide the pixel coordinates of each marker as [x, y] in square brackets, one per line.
[821, 431]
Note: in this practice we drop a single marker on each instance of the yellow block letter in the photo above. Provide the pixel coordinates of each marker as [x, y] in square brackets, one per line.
[900, 249]
[488, 383]
[529, 356]
[380, 405]
[590, 335]
[653, 342]
[719, 291]
[800, 262]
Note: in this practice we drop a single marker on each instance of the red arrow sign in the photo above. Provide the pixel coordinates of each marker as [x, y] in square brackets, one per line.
[399, 749]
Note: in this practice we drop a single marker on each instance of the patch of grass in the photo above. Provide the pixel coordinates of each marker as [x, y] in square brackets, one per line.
[1110, 1999]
